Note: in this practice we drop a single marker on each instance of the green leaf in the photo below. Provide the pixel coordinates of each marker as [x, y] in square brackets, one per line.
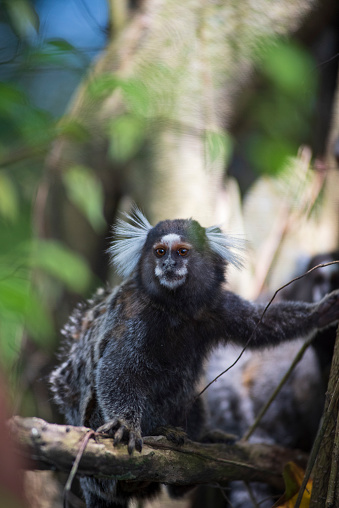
[85, 191]
[36, 126]
[73, 129]
[23, 16]
[11, 334]
[218, 146]
[127, 134]
[9, 203]
[20, 308]
[101, 86]
[61, 263]
[289, 67]
[269, 155]
[137, 96]
[61, 45]
[10, 96]
[14, 294]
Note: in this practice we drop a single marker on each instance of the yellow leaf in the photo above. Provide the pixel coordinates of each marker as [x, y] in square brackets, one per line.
[293, 477]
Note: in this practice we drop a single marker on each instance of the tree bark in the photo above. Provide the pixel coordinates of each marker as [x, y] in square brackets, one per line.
[325, 491]
[51, 446]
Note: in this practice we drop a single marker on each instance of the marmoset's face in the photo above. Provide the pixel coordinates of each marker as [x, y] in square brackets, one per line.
[172, 255]
[174, 258]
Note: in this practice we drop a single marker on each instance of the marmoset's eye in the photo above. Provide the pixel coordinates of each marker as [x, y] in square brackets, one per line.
[160, 252]
[183, 251]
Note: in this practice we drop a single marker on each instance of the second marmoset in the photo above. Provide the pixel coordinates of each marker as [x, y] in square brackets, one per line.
[133, 356]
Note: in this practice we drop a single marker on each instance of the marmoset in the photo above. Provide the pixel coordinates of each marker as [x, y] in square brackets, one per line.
[133, 356]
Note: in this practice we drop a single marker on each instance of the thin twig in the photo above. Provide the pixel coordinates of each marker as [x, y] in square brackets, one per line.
[22, 154]
[228, 368]
[264, 409]
[251, 494]
[224, 495]
[322, 265]
[75, 466]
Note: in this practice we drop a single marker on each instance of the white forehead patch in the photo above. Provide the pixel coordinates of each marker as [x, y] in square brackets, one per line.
[170, 239]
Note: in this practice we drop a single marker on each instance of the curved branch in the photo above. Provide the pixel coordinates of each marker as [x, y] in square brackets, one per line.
[51, 446]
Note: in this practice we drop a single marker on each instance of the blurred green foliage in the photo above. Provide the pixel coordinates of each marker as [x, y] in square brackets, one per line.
[34, 272]
[127, 133]
[278, 119]
[280, 112]
[25, 264]
[277, 116]
[218, 145]
[85, 191]
[147, 99]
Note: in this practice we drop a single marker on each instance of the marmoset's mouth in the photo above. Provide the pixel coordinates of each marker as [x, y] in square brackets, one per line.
[171, 277]
[172, 280]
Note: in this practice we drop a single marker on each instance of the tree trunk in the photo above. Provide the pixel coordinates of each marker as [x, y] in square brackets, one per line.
[325, 492]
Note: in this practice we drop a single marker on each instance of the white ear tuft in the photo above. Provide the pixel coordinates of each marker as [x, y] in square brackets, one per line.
[223, 244]
[129, 240]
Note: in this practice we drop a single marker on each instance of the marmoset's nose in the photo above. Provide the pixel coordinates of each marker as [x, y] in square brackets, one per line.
[168, 263]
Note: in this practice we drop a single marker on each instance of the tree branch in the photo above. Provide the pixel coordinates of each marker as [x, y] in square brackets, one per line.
[51, 446]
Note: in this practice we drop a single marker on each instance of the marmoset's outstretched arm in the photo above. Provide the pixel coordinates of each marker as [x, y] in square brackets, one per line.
[258, 325]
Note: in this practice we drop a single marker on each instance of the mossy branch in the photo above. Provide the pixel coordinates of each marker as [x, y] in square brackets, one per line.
[51, 446]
